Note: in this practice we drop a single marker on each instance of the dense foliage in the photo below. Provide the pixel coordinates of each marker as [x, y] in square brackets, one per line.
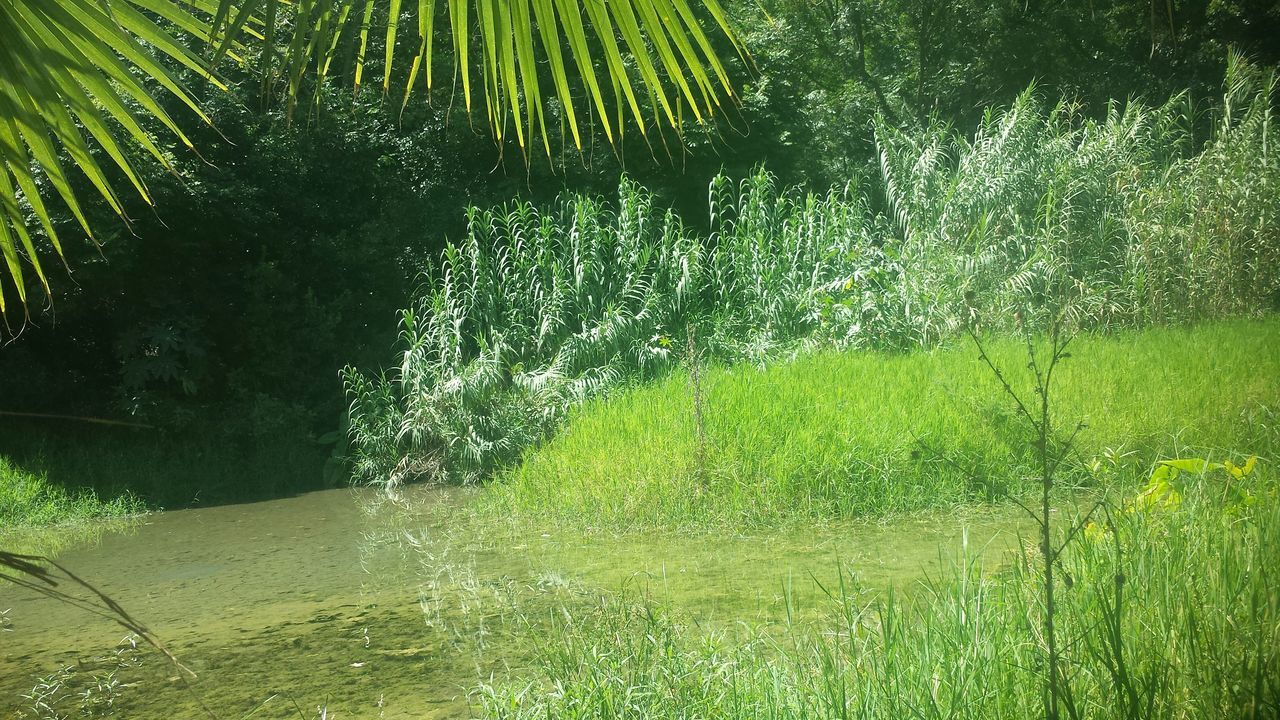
[1041, 210]
[829, 68]
[222, 320]
[221, 316]
[75, 72]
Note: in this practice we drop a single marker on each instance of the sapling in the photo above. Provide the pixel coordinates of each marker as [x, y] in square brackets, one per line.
[695, 383]
[1036, 412]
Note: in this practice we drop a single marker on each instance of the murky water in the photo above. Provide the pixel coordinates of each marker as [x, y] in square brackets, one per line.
[346, 602]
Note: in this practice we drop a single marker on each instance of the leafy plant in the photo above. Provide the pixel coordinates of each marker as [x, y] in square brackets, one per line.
[1166, 486]
[88, 689]
[537, 311]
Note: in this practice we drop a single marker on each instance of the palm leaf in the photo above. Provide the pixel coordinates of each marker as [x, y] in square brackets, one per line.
[654, 49]
[69, 76]
[74, 77]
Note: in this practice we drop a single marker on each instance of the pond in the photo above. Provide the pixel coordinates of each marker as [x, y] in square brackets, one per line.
[349, 603]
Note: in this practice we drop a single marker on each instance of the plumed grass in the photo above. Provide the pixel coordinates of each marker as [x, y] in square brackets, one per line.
[841, 434]
[540, 309]
[1169, 612]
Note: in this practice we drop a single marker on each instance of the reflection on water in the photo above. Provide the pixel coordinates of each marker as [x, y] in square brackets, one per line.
[53, 540]
[349, 601]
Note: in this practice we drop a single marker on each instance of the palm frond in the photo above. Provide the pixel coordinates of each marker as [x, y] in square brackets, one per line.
[75, 73]
[78, 79]
[649, 61]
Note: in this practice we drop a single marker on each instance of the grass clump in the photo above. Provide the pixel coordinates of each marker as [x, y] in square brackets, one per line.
[842, 434]
[30, 499]
[1168, 611]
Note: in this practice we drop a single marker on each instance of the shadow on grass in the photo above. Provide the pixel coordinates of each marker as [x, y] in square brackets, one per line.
[200, 466]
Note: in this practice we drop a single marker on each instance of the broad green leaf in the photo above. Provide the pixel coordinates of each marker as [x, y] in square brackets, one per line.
[1160, 490]
[11, 225]
[459, 20]
[364, 42]
[331, 27]
[522, 27]
[13, 157]
[600, 22]
[571, 21]
[1198, 466]
[548, 29]
[426, 36]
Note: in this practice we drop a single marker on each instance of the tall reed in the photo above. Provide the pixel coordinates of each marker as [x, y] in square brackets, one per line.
[540, 309]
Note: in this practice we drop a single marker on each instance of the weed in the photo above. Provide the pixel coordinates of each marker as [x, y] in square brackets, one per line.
[90, 688]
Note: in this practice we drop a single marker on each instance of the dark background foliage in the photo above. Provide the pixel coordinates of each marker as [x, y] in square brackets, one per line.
[281, 253]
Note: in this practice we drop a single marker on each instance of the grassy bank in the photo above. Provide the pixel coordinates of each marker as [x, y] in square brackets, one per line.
[1120, 222]
[137, 467]
[837, 434]
[1169, 611]
[28, 498]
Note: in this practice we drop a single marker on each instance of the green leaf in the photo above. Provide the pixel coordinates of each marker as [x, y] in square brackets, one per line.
[71, 74]
[1199, 466]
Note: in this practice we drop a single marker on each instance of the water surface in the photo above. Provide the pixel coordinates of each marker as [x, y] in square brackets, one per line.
[344, 601]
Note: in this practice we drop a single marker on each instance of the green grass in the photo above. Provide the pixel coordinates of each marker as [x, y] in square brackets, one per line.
[835, 434]
[195, 467]
[1172, 613]
[29, 499]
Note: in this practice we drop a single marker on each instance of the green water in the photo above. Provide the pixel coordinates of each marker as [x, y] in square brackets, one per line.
[352, 603]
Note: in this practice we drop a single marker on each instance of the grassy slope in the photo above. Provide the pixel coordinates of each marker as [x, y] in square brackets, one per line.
[28, 499]
[839, 434]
